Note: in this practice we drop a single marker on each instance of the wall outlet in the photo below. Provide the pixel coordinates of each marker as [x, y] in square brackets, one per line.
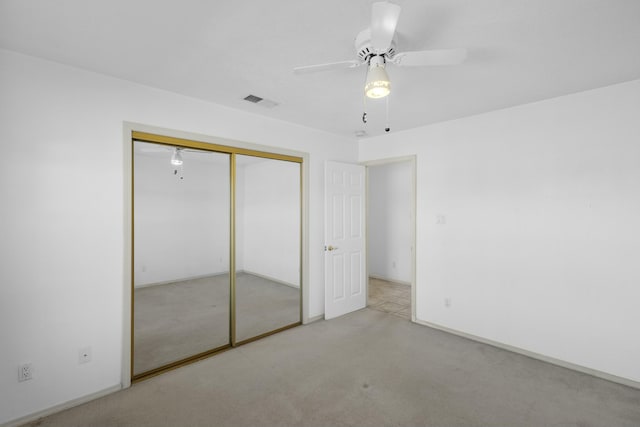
[441, 219]
[25, 372]
[84, 355]
[447, 302]
[393, 264]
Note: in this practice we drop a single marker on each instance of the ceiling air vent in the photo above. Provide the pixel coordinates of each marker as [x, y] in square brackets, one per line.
[252, 98]
[266, 103]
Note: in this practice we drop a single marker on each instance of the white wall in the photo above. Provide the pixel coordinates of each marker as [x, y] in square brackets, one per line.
[181, 221]
[62, 212]
[541, 242]
[389, 221]
[269, 222]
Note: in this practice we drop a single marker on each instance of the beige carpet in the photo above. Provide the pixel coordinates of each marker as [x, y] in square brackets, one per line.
[178, 320]
[368, 368]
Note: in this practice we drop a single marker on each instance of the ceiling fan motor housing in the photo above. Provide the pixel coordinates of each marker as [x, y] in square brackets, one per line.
[365, 50]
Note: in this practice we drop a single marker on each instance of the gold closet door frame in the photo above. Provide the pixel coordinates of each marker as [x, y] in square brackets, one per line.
[233, 152]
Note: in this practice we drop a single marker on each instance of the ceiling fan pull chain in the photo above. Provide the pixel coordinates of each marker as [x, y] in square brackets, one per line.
[387, 128]
[364, 108]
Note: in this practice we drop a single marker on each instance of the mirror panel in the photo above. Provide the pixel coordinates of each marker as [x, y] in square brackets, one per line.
[181, 254]
[267, 280]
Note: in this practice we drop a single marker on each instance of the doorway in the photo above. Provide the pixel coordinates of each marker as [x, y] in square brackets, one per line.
[202, 281]
[391, 237]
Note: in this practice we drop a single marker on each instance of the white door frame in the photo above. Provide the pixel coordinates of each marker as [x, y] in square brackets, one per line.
[379, 162]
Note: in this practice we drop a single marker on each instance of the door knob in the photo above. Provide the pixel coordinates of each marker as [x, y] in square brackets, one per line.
[330, 248]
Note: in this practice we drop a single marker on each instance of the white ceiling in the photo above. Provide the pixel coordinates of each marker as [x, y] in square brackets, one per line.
[520, 51]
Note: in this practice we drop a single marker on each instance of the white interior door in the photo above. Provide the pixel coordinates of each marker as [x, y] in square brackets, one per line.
[344, 252]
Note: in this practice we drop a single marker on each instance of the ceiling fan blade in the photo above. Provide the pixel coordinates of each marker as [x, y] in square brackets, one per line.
[423, 58]
[329, 66]
[384, 18]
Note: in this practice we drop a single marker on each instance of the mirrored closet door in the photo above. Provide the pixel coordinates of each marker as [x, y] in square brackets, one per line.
[217, 249]
[267, 279]
[181, 227]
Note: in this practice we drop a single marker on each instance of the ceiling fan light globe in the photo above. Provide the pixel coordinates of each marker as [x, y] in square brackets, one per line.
[378, 84]
[176, 158]
[378, 90]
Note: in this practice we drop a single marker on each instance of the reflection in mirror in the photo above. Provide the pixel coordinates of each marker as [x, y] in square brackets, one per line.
[267, 245]
[181, 254]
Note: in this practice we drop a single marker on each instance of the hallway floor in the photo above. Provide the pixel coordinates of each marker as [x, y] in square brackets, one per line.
[390, 297]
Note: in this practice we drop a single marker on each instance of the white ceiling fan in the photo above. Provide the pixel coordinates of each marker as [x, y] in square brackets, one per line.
[376, 47]
[176, 152]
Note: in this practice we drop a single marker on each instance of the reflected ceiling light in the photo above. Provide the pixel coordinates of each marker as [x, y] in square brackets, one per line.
[176, 158]
[378, 84]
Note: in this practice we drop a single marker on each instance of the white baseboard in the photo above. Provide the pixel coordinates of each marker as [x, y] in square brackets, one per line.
[562, 363]
[387, 279]
[61, 407]
[314, 319]
[272, 279]
[182, 279]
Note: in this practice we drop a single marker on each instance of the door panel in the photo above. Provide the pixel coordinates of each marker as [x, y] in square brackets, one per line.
[345, 270]
[356, 266]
